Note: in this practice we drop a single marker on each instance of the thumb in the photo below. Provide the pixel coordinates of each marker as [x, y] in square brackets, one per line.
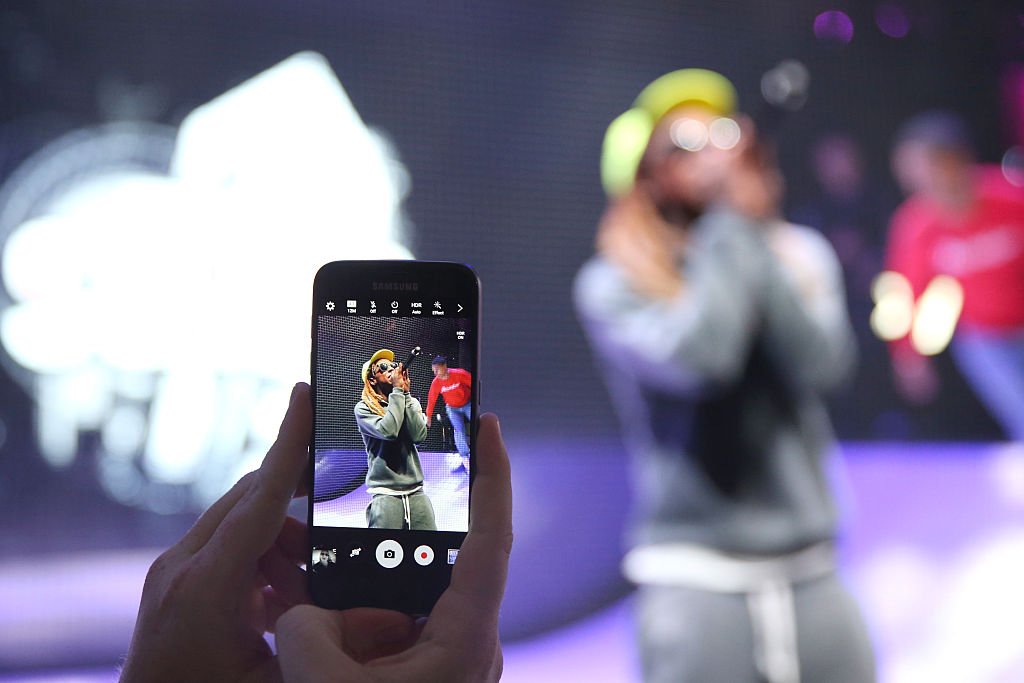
[319, 644]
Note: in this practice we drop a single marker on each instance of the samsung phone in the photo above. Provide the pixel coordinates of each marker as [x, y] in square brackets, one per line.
[395, 389]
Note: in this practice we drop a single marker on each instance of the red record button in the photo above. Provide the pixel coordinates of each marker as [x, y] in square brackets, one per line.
[424, 555]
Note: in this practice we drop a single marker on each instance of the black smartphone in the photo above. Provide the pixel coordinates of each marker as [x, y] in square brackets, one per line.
[395, 389]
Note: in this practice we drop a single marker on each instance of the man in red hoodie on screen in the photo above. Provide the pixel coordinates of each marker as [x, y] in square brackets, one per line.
[454, 384]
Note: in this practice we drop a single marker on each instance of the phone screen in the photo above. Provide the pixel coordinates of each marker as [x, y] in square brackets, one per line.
[395, 386]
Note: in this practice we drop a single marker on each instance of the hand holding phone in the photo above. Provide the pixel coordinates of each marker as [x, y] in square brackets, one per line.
[203, 612]
[208, 600]
[459, 641]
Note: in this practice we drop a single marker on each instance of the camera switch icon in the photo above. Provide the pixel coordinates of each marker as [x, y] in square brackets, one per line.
[389, 554]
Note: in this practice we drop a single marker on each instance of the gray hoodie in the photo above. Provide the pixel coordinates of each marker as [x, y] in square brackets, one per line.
[719, 390]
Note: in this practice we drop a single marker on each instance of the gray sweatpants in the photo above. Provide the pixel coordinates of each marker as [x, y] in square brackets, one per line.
[411, 511]
[690, 635]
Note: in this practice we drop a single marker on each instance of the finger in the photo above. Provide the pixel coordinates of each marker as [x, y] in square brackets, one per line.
[305, 480]
[491, 511]
[319, 644]
[294, 540]
[473, 599]
[210, 520]
[253, 524]
[204, 528]
[309, 646]
[369, 633]
[273, 607]
[281, 574]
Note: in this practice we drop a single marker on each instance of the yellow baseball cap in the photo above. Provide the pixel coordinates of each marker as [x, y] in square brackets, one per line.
[628, 134]
[386, 354]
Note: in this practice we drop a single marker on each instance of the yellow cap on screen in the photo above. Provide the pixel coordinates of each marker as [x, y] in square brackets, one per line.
[386, 354]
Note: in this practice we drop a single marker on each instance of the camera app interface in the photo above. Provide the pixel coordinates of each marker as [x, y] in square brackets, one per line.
[394, 381]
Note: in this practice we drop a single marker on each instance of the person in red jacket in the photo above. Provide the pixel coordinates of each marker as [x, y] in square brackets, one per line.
[455, 385]
[957, 242]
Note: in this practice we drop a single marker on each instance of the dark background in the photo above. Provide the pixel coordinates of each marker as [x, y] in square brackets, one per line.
[498, 109]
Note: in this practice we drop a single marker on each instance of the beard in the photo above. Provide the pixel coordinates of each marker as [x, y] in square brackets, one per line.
[382, 389]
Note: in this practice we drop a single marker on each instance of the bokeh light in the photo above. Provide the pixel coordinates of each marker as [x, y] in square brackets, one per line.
[833, 25]
[689, 134]
[724, 133]
[786, 84]
[892, 20]
[893, 313]
[938, 311]
[1013, 166]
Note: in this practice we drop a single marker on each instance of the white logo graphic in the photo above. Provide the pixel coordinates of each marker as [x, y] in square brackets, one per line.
[265, 183]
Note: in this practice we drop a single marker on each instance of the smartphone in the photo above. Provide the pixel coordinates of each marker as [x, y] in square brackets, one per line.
[395, 387]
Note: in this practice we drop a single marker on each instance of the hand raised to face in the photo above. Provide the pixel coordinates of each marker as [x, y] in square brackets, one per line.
[399, 378]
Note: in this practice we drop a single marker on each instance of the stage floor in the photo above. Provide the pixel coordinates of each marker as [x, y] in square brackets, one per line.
[932, 547]
[445, 482]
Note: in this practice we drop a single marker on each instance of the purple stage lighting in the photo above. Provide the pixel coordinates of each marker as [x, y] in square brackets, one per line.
[892, 20]
[833, 25]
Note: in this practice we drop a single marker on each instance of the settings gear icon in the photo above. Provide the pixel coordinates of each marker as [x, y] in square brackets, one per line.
[330, 305]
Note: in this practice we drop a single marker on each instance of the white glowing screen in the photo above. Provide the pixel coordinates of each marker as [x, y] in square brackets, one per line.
[169, 313]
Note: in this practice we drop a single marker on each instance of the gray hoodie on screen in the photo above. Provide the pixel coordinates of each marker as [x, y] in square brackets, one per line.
[390, 442]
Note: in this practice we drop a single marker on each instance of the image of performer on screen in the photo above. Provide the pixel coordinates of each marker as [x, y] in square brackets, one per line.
[454, 385]
[391, 423]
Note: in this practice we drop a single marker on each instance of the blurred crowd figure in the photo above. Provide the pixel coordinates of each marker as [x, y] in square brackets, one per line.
[848, 210]
[961, 227]
[852, 211]
[719, 327]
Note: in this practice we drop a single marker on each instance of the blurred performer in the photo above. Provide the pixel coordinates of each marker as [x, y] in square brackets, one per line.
[455, 386]
[964, 221]
[391, 423]
[719, 327]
